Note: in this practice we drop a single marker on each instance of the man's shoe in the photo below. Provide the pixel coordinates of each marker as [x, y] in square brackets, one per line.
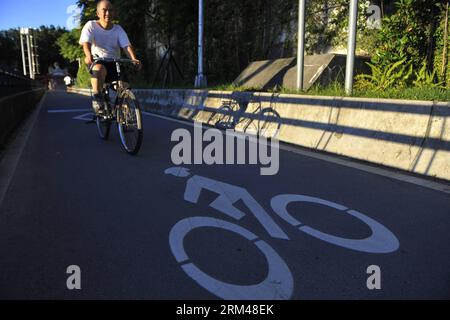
[98, 104]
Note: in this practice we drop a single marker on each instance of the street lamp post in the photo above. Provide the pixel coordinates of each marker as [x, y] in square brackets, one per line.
[200, 80]
[29, 55]
[22, 47]
[301, 44]
[351, 46]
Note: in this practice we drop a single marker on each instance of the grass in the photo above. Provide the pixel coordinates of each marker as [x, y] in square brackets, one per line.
[337, 90]
[411, 93]
[233, 87]
[429, 94]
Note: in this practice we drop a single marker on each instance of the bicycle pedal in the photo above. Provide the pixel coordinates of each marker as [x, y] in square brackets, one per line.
[105, 118]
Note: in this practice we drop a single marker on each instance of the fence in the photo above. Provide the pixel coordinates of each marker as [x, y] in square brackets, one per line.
[18, 96]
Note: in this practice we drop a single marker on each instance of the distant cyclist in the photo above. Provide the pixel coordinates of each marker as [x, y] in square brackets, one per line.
[104, 39]
[68, 82]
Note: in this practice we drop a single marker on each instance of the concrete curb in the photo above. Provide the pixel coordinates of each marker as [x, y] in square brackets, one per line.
[85, 92]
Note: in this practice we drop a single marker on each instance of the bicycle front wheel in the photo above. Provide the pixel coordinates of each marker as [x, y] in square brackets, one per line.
[103, 127]
[129, 121]
[270, 123]
[226, 119]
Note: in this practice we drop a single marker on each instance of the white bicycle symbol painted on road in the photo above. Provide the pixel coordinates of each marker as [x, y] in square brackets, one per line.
[279, 283]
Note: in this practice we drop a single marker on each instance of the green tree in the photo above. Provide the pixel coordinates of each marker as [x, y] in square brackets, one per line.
[240, 31]
[89, 9]
[10, 52]
[408, 33]
[68, 45]
[71, 50]
[48, 49]
[410, 39]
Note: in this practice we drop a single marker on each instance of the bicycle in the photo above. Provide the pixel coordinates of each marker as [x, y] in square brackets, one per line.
[125, 111]
[279, 282]
[52, 84]
[230, 114]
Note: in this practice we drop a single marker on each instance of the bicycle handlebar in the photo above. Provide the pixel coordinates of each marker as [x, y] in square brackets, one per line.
[98, 60]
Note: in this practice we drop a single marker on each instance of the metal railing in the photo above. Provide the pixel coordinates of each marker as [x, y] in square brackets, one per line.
[12, 82]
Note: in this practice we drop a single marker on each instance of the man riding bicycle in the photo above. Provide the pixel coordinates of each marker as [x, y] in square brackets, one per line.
[104, 39]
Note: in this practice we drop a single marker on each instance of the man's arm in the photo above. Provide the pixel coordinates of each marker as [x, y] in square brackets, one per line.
[131, 55]
[87, 53]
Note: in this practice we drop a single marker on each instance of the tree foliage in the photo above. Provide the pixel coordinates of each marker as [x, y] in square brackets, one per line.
[10, 54]
[238, 32]
[47, 48]
[68, 45]
[46, 39]
[414, 34]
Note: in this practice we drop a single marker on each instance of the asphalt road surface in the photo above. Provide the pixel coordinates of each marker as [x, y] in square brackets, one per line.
[136, 230]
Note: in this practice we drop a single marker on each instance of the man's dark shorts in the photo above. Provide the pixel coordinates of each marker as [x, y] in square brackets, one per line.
[111, 72]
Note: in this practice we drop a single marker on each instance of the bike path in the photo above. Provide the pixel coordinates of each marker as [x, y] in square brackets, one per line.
[77, 200]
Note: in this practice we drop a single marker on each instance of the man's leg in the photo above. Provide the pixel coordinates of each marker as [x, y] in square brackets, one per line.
[97, 81]
[98, 78]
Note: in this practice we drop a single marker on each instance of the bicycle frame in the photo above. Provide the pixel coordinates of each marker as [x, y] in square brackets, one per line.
[120, 84]
[118, 68]
[119, 111]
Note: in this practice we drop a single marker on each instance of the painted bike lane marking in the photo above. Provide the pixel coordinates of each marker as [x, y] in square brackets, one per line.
[382, 240]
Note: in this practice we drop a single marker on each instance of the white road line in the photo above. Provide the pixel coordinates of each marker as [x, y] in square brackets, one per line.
[14, 150]
[67, 110]
[371, 168]
[84, 117]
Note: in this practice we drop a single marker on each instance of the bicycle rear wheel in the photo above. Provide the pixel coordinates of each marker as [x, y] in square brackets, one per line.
[129, 121]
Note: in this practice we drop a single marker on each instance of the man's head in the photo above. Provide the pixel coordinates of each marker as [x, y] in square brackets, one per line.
[105, 11]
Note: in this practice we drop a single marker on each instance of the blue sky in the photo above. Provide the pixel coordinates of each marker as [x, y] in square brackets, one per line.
[34, 13]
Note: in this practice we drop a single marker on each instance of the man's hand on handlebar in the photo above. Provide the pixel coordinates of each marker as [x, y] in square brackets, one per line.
[137, 63]
[88, 60]
[92, 61]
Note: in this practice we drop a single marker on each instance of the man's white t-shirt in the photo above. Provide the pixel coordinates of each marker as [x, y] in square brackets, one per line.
[105, 43]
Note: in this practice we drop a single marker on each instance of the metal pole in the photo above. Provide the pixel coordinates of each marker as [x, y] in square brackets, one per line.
[35, 55]
[200, 80]
[30, 63]
[444, 52]
[200, 39]
[23, 53]
[351, 46]
[33, 66]
[301, 44]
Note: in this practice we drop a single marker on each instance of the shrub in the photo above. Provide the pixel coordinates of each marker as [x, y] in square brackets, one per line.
[394, 75]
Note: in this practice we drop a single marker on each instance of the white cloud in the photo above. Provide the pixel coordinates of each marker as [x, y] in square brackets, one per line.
[74, 13]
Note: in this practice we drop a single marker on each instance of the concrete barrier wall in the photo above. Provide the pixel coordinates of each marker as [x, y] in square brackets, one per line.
[85, 92]
[408, 135]
[14, 108]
